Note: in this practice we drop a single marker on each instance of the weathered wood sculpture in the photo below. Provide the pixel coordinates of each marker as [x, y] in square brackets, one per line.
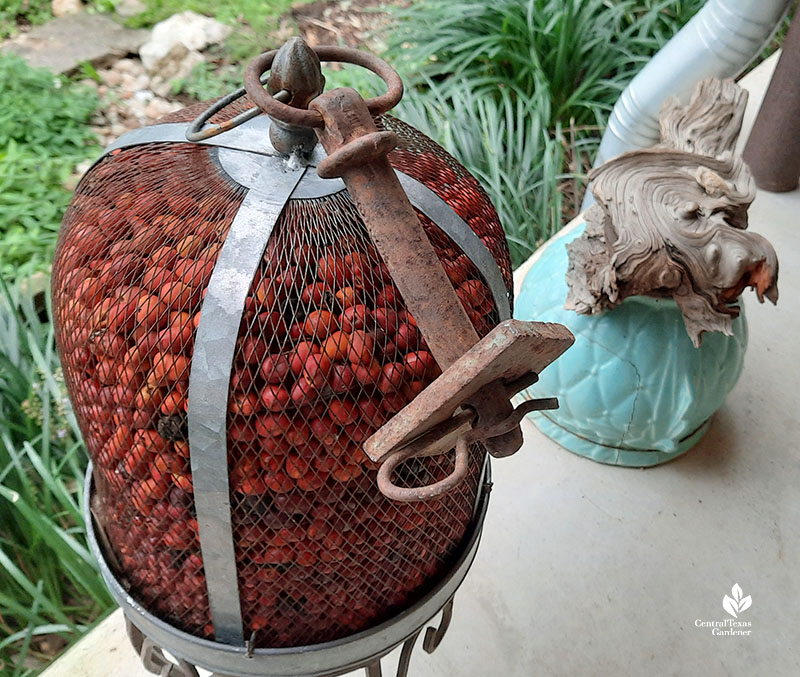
[670, 220]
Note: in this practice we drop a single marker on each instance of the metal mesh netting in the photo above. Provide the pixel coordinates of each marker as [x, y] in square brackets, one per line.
[326, 353]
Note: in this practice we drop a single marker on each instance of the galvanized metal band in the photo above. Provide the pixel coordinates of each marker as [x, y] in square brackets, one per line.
[244, 168]
[302, 661]
[209, 380]
[444, 216]
[252, 136]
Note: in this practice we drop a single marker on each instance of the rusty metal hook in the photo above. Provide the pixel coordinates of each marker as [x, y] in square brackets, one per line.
[198, 131]
[421, 448]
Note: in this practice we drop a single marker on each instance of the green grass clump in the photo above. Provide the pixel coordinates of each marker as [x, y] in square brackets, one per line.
[50, 589]
[44, 134]
[257, 13]
[29, 11]
[205, 81]
[519, 91]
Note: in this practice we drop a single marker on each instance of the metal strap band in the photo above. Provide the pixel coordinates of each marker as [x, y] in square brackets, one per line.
[209, 379]
[444, 216]
[252, 136]
[242, 167]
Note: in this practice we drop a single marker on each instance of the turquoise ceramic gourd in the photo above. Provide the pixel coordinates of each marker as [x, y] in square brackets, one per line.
[633, 390]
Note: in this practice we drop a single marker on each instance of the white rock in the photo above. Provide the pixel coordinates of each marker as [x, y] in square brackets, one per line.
[177, 63]
[159, 107]
[128, 82]
[142, 82]
[194, 31]
[128, 8]
[112, 78]
[143, 96]
[64, 7]
[127, 66]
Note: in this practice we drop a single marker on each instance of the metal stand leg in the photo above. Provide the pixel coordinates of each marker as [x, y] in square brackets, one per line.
[405, 655]
[374, 669]
[434, 636]
[153, 658]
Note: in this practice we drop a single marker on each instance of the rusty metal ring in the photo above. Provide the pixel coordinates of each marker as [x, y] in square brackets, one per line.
[311, 118]
[198, 131]
[411, 494]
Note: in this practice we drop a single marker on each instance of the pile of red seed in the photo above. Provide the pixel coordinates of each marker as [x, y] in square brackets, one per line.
[327, 352]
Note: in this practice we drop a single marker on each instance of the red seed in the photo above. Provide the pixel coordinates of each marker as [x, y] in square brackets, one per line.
[318, 324]
[392, 377]
[421, 364]
[275, 398]
[343, 412]
[270, 425]
[362, 347]
[355, 317]
[275, 368]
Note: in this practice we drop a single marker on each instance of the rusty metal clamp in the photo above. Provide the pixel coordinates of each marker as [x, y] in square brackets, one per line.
[458, 432]
[478, 374]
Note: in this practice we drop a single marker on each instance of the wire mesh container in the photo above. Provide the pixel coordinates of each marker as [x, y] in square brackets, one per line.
[326, 352]
[244, 366]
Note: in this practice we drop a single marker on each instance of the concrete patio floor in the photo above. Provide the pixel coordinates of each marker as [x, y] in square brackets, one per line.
[586, 569]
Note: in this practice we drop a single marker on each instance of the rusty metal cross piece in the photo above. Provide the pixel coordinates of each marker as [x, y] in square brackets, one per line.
[470, 401]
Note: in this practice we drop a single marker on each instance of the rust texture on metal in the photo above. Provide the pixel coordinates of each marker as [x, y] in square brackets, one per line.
[473, 372]
[295, 71]
[357, 151]
[507, 354]
[457, 431]
[461, 437]
[393, 224]
[312, 118]
[200, 131]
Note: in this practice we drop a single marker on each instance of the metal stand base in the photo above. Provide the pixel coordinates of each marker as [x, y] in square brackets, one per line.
[152, 637]
[154, 660]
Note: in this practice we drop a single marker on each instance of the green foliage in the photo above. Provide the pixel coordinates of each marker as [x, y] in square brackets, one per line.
[258, 14]
[500, 84]
[29, 11]
[14, 13]
[207, 82]
[43, 135]
[522, 164]
[50, 583]
[582, 52]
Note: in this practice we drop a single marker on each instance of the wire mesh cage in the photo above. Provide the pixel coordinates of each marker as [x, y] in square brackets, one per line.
[231, 336]
[326, 352]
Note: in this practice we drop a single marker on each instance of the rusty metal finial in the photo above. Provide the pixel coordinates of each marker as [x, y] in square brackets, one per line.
[296, 73]
[296, 69]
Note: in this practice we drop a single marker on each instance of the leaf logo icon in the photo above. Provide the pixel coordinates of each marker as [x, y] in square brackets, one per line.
[736, 603]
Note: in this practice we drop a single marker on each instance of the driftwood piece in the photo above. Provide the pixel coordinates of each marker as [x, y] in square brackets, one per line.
[671, 220]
